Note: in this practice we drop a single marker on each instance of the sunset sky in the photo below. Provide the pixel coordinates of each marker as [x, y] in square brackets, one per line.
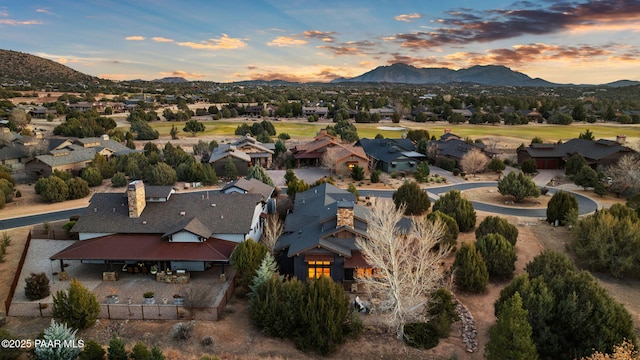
[581, 42]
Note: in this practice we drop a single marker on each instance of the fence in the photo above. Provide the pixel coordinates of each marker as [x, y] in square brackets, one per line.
[139, 311]
[16, 276]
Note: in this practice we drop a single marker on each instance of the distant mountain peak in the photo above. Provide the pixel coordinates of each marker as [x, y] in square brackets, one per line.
[497, 75]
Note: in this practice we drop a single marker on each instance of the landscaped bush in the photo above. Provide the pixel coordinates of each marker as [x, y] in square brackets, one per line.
[37, 286]
[469, 270]
[452, 231]
[92, 351]
[446, 164]
[421, 335]
[499, 256]
[461, 209]
[246, 259]
[375, 176]
[570, 314]
[78, 307]
[415, 199]
[497, 225]
[442, 312]
[560, 205]
[119, 180]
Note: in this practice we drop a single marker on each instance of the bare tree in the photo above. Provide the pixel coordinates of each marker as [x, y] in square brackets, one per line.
[272, 230]
[474, 161]
[330, 158]
[20, 118]
[407, 269]
[625, 175]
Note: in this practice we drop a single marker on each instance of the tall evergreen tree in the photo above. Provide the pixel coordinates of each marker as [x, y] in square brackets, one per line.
[560, 205]
[415, 199]
[259, 173]
[78, 307]
[510, 337]
[469, 270]
[499, 256]
[455, 205]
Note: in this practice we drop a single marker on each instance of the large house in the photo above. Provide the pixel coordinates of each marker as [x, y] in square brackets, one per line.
[344, 157]
[451, 146]
[244, 152]
[154, 226]
[320, 235]
[73, 156]
[390, 155]
[597, 153]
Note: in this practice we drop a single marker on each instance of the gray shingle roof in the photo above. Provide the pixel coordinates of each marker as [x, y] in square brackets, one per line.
[251, 186]
[386, 150]
[232, 214]
[589, 149]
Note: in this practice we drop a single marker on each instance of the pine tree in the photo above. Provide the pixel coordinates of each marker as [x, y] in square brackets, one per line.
[452, 231]
[247, 258]
[92, 351]
[259, 173]
[499, 256]
[78, 307]
[156, 354]
[230, 170]
[140, 352]
[453, 204]
[469, 269]
[117, 350]
[357, 173]
[58, 332]
[519, 186]
[510, 338]
[415, 199]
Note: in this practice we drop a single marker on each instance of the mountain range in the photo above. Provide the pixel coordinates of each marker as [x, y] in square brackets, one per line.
[18, 66]
[492, 75]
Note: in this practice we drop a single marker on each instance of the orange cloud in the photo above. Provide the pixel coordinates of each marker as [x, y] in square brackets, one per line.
[19, 22]
[135, 38]
[283, 41]
[161, 39]
[224, 42]
[408, 17]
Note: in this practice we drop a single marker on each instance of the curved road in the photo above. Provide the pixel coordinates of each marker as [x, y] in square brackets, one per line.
[585, 205]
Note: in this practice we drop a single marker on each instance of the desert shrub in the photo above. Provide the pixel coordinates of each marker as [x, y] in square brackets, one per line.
[206, 341]
[182, 331]
[461, 209]
[469, 270]
[455, 171]
[37, 286]
[92, 351]
[496, 165]
[68, 226]
[156, 354]
[375, 176]
[499, 256]
[421, 335]
[560, 205]
[9, 353]
[442, 312]
[357, 173]
[497, 225]
[78, 307]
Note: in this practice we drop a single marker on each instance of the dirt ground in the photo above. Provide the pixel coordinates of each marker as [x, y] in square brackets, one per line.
[235, 338]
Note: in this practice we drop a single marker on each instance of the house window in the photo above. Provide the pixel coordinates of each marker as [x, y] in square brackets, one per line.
[319, 268]
[366, 272]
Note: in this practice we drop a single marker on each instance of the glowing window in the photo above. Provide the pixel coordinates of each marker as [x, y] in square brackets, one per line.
[319, 268]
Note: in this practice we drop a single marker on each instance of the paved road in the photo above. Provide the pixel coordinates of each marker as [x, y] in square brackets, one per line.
[585, 205]
[39, 218]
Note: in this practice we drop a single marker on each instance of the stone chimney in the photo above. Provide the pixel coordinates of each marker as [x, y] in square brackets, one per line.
[345, 213]
[136, 198]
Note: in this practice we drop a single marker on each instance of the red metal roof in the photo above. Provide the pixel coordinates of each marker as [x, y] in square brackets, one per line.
[146, 247]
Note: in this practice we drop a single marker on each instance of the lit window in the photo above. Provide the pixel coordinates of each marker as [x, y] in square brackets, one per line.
[366, 272]
[319, 268]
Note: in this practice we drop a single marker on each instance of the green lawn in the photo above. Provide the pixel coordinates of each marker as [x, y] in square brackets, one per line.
[549, 133]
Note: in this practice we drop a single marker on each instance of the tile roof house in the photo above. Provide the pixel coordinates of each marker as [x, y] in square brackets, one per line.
[597, 153]
[391, 155]
[75, 156]
[155, 225]
[319, 235]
